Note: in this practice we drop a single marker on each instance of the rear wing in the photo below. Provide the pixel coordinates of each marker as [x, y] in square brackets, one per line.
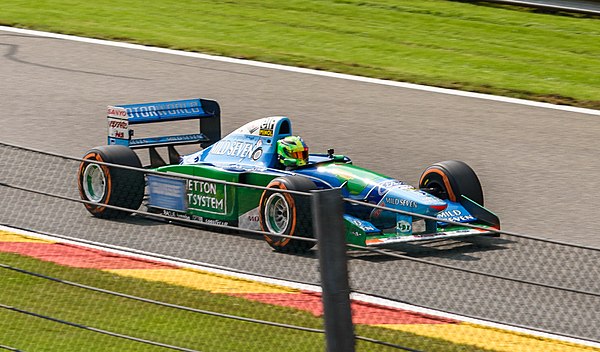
[122, 117]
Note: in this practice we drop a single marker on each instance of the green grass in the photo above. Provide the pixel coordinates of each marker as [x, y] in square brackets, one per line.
[492, 49]
[152, 322]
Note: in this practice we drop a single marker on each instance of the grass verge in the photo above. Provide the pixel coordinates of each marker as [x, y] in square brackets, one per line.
[156, 323]
[471, 46]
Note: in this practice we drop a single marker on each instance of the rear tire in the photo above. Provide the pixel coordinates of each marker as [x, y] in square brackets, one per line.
[111, 185]
[451, 179]
[287, 214]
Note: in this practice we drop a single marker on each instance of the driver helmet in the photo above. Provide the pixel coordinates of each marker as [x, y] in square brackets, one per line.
[292, 151]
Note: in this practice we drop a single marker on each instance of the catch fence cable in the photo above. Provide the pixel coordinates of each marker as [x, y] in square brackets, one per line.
[164, 304]
[96, 330]
[314, 240]
[499, 232]
[10, 348]
[153, 215]
[194, 310]
[358, 202]
[375, 250]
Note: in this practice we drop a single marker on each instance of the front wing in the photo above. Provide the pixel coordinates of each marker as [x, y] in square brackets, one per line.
[384, 241]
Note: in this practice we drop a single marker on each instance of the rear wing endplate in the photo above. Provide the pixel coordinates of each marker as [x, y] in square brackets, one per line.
[122, 117]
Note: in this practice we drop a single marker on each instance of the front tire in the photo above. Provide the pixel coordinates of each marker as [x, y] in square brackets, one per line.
[111, 185]
[450, 180]
[287, 214]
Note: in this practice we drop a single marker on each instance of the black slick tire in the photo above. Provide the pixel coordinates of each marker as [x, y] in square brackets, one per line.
[287, 214]
[450, 180]
[111, 185]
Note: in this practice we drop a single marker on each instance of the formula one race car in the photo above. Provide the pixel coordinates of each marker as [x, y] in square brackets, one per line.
[265, 153]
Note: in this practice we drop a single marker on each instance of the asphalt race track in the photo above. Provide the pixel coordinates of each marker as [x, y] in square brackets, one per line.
[538, 167]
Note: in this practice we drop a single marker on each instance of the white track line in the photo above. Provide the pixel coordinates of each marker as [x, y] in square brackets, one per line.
[360, 297]
[294, 285]
[305, 71]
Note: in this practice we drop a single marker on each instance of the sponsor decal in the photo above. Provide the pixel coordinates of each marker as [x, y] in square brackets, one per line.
[189, 137]
[403, 226]
[455, 215]
[118, 128]
[363, 225]
[250, 220]
[257, 154]
[116, 112]
[262, 127]
[142, 111]
[385, 186]
[400, 202]
[112, 123]
[208, 197]
[164, 110]
[425, 235]
[266, 127]
[179, 215]
[251, 128]
[462, 232]
[166, 192]
[240, 149]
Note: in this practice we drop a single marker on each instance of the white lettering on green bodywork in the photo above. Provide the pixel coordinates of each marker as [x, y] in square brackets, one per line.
[207, 197]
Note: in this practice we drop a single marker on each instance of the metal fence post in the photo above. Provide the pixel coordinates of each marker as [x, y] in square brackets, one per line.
[328, 225]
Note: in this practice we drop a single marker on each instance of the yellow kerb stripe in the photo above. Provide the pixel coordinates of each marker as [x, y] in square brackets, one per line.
[489, 338]
[463, 333]
[202, 281]
[6, 236]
